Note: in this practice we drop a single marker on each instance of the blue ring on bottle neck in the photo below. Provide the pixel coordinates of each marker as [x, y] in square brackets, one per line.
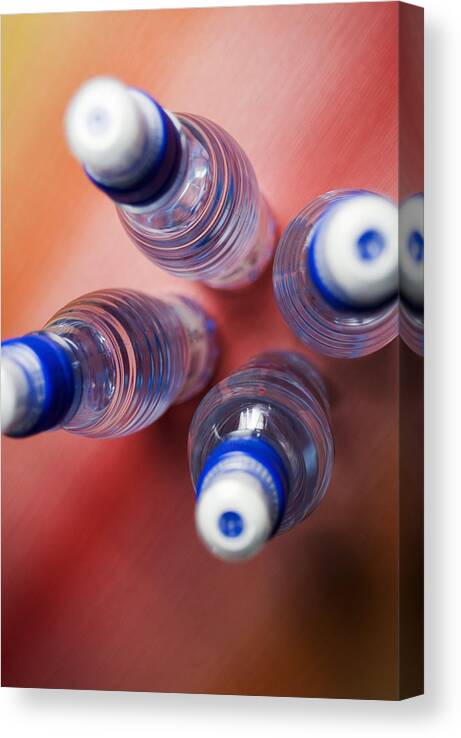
[59, 380]
[261, 451]
[160, 173]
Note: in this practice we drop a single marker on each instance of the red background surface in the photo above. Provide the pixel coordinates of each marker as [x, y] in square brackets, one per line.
[105, 584]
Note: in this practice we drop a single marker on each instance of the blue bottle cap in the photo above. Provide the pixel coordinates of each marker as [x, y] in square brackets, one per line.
[38, 385]
[353, 252]
[240, 497]
[126, 142]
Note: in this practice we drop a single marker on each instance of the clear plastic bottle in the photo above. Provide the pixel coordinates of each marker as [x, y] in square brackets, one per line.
[107, 364]
[261, 453]
[411, 272]
[185, 191]
[336, 273]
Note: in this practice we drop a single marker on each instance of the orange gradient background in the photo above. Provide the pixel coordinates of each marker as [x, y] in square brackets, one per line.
[105, 585]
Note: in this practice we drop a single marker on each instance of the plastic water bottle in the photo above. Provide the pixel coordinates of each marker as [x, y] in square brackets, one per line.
[107, 364]
[411, 272]
[261, 453]
[184, 190]
[336, 273]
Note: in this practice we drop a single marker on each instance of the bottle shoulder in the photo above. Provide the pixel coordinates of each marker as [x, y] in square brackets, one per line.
[278, 379]
[128, 327]
[271, 396]
[129, 350]
[113, 310]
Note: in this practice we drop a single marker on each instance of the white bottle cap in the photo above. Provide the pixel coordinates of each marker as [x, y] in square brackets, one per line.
[105, 127]
[14, 396]
[356, 249]
[232, 515]
[411, 262]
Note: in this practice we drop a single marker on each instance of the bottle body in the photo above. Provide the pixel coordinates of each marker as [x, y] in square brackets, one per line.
[323, 317]
[212, 224]
[185, 191]
[131, 357]
[270, 419]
